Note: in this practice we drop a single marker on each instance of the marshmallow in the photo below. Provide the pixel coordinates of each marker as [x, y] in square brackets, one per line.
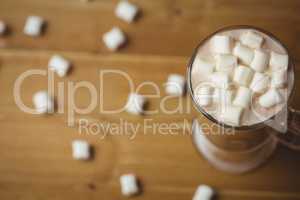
[260, 82]
[243, 97]
[242, 75]
[33, 25]
[270, 98]
[59, 64]
[80, 150]
[43, 102]
[203, 67]
[260, 61]
[225, 63]
[203, 192]
[220, 80]
[126, 11]
[3, 28]
[222, 97]
[114, 39]
[135, 104]
[231, 115]
[279, 78]
[203, 95]
[221, 44]
[251, 39]
[129, 184]
[175, 85]
[245, 54]
[278, 61]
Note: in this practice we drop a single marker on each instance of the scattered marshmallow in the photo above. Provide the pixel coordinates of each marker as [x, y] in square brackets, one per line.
[203, 95]
[43, 102]
[260, 82]
[220, 80]
[33, 25]
[225, 62]
[270, 98]
[245, 54]
[243, 97]
[59, 64]
[129, 185]
[251, 39]
[231, 114]
[242, 75]
[135, 104]
[3, 27]
[222, 97]
[175, 85]
[203, 192]
[221, 44]
[278, 61]
[260, 61]
[279, 78]
[80, 150]
[126, 11]
[114, 39]
[203, 67]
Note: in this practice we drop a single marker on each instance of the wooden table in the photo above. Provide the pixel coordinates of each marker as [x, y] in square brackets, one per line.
[35, 151]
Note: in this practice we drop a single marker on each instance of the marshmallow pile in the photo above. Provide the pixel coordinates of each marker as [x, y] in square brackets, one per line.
[240, 71]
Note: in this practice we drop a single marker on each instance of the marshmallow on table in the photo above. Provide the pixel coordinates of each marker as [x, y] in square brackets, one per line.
[43, 102]
[3, 27]
[221, 44]
[251, 39]
[129, 184]
[260, 61]
[59, 64]
[279, 78]
[175, 85]
[270, 98]
[203, 94]
[231, 114]
[220, 79]
[135, 103]
[278, 61]
[114, 39]
[33, 25]
[243, 97]
[242, 75]
[80, 150]
[202, 66]
[126, 11]
[260, 82]
[245, 54]
[203, 192]
[225, 62]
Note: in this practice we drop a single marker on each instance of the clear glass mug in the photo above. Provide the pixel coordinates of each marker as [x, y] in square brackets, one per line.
[241, 149]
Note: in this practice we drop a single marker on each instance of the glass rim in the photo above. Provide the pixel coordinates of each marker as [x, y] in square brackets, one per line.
[189, 79]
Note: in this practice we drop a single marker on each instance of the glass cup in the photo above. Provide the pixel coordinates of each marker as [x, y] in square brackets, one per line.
[239, 149]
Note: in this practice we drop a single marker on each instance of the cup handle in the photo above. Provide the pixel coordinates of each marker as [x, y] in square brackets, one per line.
[291, 138]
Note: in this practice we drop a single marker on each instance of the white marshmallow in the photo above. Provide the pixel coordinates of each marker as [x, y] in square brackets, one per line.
[231, 115]
[114, 39]
[43, 102]
[270, 98]
[126, 11]
[243, 97]
[221, 44]
[225, 63]
[203, 192]
[80, 150]
[175, 85]
[222, 97]
[260, 61]
[3, 27]
[203, 95]
[59, 64]
[33, 25]
[278, 61]
[279, 78]
[245, 54]
[203, 67]
[135, 104]
[242, 75]
[220, 80]
[129, 185]
[260, 82]
[251, 39]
